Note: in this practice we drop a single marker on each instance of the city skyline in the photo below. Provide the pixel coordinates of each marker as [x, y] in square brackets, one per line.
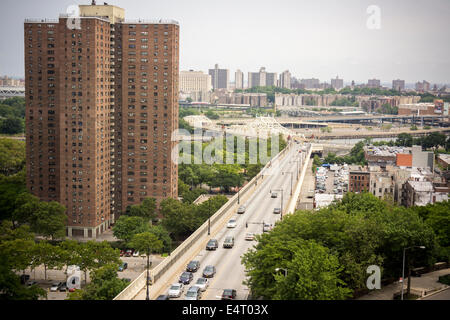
[337, 40]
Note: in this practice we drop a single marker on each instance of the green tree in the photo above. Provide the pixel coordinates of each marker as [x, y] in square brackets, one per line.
[126, 227]
[105, 285]
[11, 125]
[50, 220]
[144, 210]
[404, 140]
[12, 156]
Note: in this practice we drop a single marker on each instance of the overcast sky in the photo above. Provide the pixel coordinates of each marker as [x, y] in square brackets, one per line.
[320, 38]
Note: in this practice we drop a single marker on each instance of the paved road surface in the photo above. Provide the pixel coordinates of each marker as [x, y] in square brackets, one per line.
[259, 207]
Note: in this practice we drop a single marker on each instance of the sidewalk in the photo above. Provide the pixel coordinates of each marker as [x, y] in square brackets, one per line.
[426, 283]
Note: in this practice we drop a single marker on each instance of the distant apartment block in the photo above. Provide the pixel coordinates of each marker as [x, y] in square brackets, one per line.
[337, 83]
[310, 83]
[417, 109]
[101, 105]
[195, 85]
[359, 179]
[239, 79]
[398, 85]
[285, 80]
[6, 81]
[422, 86]
[373, 83]
[262, 78]
[220, 77]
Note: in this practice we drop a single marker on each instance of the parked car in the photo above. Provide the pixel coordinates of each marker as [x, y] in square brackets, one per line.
[136, 254]
[128, 253]
[202, 283]
[122, 253]
[123, 266]
[241, 210]
[186, 277]
[250, 236]
[193, 266]
[209, 271]
[193, 293]
[176, 290]
[229, 242]
[229, 294]
[276, 210]
[55, 286]
[63, 287]
[31, 283]
[162, 297]
[212, 244]
[232, 223]
[274, 195]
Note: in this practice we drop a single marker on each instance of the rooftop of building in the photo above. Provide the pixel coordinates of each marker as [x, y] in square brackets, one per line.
[444, 157]
[386, 150]
[421, 186]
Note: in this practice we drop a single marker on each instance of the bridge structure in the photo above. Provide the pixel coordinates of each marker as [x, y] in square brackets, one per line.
[11, 92]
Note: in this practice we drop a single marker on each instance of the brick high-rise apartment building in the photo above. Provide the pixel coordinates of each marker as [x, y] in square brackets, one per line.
[102, 103]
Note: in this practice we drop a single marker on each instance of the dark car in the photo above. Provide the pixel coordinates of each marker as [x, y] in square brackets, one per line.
[213, 244]
[123, 266]
[229, 294]
[193, 266]
[129, 253]
[31, 283]
[162, 297]
[186, 278]
[63, 287]
[209, 271]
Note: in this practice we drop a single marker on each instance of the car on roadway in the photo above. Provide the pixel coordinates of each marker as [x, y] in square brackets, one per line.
[123, 266]
[31, 283]
[232, 223]
[55, 286]
[212, 244]
[202, 283]
[276, 210]
[267, 227]
[186, 277]
[250, 236]
[229, 242]
[209, 271]
[229, 294]
[193, 293]
[63, 287]
[274, 195]
[162, 297]
[241, 210]
[175, 290]
[193, 266]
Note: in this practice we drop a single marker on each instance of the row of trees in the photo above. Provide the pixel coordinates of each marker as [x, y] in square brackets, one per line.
[432, 140]
[19, 251]
[325, 253]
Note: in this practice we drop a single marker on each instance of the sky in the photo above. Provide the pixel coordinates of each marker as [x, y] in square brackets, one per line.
[400, 39]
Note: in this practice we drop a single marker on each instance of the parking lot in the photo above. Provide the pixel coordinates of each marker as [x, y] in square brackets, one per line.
[332, 180]
[136, 265]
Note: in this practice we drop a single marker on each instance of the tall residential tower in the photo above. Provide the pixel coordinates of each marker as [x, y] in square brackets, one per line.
[102, 103]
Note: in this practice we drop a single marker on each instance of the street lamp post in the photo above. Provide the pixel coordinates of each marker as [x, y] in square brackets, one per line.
[289, 172]
[409, 269]
[298, 160]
